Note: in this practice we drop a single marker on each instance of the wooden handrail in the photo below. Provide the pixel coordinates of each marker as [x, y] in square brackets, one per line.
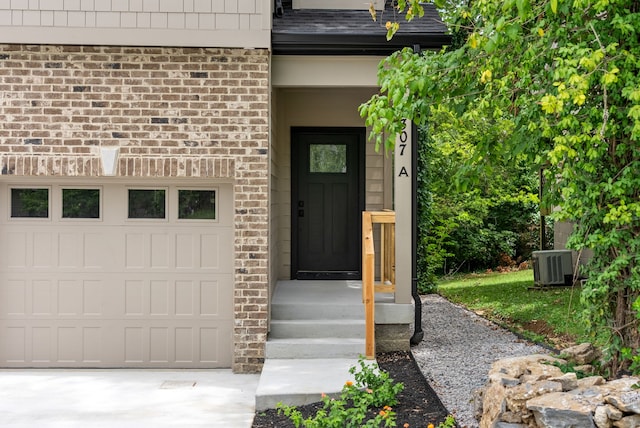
[387, 220]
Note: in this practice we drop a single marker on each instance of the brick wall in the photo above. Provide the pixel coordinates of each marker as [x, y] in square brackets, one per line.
[173, 112]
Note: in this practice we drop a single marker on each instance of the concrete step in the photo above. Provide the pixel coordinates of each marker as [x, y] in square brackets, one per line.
[299, 382]
[317, 328]
[316, 310]
[308, 348]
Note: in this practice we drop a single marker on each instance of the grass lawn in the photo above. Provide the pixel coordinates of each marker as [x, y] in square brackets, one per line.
[548, 315]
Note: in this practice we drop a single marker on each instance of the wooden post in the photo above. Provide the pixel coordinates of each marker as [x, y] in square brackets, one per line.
[369, 318]
[383, 250]
[368, 278]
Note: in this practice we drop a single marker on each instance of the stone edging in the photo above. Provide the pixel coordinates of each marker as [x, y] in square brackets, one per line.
[531, 392]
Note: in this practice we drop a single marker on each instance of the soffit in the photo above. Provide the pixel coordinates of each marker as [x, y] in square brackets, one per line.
[324, 71]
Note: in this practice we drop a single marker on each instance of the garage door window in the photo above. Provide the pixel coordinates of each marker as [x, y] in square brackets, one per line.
[81, 203]
[197, 204]
[147, 203]
[29, 203]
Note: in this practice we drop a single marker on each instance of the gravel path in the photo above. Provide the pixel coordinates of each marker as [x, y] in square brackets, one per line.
[457, 352]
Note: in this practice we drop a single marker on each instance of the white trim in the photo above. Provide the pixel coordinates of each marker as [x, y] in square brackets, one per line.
[164, 219]
[48, 218]
[175, 212]
[137, 37]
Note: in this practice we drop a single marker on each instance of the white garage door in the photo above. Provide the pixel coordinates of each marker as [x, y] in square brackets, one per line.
[115, 275]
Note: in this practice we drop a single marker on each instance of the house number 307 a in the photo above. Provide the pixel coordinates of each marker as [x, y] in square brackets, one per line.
[403, 157]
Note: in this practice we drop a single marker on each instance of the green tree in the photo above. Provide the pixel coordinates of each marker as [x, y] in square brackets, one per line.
[557, 81]
[433, 230]
[474, 217]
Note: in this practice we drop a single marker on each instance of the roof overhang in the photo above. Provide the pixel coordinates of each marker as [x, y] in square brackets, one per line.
[354, 32]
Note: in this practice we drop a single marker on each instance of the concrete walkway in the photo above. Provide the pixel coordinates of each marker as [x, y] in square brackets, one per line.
[126, 398]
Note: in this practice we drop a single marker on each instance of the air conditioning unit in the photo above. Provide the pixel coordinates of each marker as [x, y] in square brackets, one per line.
[552, 267]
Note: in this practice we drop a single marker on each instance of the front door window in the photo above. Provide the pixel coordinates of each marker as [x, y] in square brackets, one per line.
[328, 158]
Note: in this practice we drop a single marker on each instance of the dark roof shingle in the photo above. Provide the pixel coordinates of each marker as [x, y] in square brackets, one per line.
[322, 31]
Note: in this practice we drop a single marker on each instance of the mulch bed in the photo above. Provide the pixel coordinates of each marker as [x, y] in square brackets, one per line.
[418, 405]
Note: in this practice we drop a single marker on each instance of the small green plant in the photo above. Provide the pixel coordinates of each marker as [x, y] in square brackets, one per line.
[364, 403]
[569, 368]
[369, 376]
[633, 357]
[449, 422]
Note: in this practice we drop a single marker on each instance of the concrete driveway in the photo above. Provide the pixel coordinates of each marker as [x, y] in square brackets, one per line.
[126, 398]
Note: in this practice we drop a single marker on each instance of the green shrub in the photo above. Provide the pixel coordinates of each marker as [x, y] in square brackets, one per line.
[367, 402]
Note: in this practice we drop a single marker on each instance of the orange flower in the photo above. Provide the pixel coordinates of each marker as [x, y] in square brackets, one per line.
[387, 408]
[348, 383]
[383, 413]
[430, 426]
[406, 425]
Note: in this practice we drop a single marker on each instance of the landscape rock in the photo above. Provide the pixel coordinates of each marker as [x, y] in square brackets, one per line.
[518, 396]
[590, 381]
[587, 369]
[568, 381]
[613, 413]
[515, 367]
[508, 425]
[584, 353]
[601, 418]
[632, 421]
[494, 405]
[622, 384]
[511, 417]
[562, 409]
[626, 401]
[532, 392]
[510, 381]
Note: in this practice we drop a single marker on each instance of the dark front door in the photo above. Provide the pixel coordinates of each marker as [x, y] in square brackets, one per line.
[327, 201]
